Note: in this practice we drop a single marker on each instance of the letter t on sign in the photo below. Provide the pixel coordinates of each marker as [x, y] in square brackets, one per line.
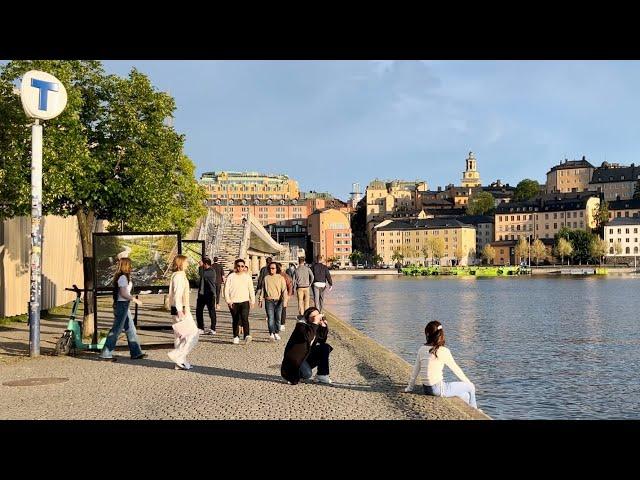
[44, 87]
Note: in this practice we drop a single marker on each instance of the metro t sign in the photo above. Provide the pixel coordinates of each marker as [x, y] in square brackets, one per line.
[43, 95]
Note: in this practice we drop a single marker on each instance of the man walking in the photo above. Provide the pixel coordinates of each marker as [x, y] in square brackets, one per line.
[302, 281]
[264, 271]
[321, 277]
[238, 293]
[274, 292]
[219, 279]
[206, 297]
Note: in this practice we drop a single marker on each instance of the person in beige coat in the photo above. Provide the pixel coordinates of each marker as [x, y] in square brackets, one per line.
[187, 336]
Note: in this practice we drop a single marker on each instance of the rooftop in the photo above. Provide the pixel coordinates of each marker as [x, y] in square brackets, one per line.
[623, 221]
[570, 164]
[609, 173]
[425, 223]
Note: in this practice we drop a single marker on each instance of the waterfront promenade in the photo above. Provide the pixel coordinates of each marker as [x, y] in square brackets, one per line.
[228, 382]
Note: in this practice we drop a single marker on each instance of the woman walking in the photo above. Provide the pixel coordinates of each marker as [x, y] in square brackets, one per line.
[432, 357]
[185, 328]
[122, 298]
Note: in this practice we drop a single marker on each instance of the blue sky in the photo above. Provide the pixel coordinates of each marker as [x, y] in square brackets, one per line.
[331, 123]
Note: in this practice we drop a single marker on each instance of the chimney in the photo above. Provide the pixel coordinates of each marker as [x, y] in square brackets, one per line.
[439, 189]
[583, 157]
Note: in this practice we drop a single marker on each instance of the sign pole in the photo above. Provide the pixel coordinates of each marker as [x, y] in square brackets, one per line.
[36, 239]
[43, 97]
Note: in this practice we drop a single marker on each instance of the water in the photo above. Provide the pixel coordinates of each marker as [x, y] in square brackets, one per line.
[536, 348]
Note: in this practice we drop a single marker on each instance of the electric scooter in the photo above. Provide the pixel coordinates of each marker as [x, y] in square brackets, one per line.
[72, 337]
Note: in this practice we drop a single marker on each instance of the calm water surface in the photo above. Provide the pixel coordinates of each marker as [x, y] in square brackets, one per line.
[536, 348]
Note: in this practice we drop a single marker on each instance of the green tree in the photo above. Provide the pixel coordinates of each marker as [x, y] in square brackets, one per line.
[426, 251]
[437, 247]
[563, 249]
[538, 251]
[526, 190]
[109, 155]
[598, 249]
[617, 249]
[601, 216]
[356, 257]
[488, 253]
[522, 249]
[377, 259]
[580, 241]
[397, 256]
[481, 203]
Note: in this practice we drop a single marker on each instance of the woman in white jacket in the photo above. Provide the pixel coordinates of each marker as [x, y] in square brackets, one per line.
[187, 339]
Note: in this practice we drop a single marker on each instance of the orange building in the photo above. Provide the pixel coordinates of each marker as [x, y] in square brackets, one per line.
[330, 234]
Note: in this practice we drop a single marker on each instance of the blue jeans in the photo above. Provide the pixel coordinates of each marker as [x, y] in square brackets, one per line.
[122, 321]
[274, 312]
[465, 391]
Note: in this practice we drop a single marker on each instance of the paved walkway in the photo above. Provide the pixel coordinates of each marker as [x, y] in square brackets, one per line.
[227, 382]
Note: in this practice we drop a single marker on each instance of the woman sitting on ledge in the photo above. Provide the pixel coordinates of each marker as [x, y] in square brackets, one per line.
[306, 349]
[432, 357]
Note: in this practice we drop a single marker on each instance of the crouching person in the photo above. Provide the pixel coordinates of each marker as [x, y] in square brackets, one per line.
[307, 349]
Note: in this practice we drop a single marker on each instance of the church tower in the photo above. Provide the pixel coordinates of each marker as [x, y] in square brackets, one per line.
[471, 176]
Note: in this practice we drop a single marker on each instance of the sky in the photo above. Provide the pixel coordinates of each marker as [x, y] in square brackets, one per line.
[329, 124]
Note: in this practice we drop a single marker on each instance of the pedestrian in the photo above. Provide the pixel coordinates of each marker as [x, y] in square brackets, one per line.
[307, 349]
[274, 292]
[302, 281]
[321, 277]
[186, 334]
[264, 271]
[239, 295]
[207, 296]
[122, 286]
[430, 362]
[219, 279]
[289, 283]
[291, 270]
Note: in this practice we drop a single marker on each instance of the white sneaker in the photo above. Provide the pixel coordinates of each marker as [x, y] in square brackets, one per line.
[200, 331]
[187, 366]
[272, 337]
[282, 328]
[247, 339]
[323, 379]
[236, 340]
[277, 336]
[208, 331]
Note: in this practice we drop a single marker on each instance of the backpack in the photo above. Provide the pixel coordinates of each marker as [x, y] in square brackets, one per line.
[66, 345]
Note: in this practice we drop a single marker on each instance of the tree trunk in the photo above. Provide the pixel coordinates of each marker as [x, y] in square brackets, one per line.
[86, 224]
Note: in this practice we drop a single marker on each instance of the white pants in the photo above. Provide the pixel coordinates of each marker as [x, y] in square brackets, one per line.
[184, 345]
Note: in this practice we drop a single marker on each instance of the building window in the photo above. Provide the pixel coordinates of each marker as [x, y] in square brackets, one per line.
[627, 250]
[611, 250]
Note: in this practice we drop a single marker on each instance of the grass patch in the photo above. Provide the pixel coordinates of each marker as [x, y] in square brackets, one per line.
[16, 319]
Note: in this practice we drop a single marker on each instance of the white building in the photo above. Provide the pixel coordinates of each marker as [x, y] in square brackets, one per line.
[624, 231]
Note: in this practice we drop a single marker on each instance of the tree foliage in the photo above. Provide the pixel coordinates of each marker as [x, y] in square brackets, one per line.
[580, 241]
[481, 203]
[526, 190]
[488, 253]
[538, 251]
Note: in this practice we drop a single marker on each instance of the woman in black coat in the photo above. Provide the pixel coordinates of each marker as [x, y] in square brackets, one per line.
[306, 349]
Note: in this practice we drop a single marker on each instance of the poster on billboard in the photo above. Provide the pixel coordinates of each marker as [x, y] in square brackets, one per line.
[151, 257]
[194, 251]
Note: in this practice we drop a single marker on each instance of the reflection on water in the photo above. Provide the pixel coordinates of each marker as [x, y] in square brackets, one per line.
[549, 348]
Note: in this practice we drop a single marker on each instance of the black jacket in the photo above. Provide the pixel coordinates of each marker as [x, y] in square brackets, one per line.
[298, 348]
[207, 282]
[321, 273]
[264, 271]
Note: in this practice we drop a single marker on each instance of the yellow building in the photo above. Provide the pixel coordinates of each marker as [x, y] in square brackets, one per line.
[545, 216]
[570, 176]
[415, 241]
[249, 186]
[330, 234]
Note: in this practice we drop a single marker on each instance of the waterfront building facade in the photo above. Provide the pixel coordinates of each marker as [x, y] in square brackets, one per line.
[485, 229]
[569, 176]
[330, 235]
[543, 217]
[412, 239]
[624, 231]
[226, 185]
[614, 181]
[278, 212]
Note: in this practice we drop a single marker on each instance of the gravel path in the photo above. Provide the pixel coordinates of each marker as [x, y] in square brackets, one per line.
[227, 382]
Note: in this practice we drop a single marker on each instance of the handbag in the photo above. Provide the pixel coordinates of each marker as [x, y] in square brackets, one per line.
[186, 326]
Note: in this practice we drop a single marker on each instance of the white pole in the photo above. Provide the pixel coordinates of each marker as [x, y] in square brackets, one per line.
[36, 239]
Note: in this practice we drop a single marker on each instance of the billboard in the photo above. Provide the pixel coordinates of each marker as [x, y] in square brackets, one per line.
[151, 257]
